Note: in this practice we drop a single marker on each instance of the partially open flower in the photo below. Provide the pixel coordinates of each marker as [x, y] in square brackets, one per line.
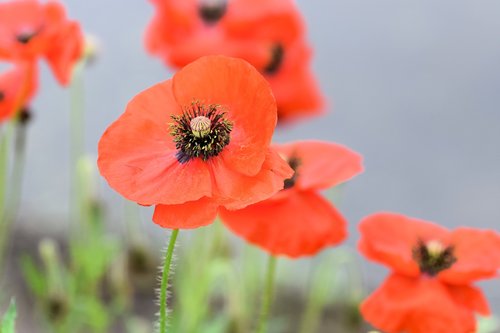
[196, 142]
[430, 289]
[17, 87]
[298, 221]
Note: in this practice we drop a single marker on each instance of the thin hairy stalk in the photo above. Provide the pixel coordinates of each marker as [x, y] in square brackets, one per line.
[164, 281]
[268, 295]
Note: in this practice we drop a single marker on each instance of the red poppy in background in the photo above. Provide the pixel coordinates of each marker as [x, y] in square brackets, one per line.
[298, 221]
[196, 142]
[430, 288]
[269, 34]
[17, 87]
[30, 30]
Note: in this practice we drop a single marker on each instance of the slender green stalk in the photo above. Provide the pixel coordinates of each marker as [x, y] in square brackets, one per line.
[77, 143]
[268, 295]
[11, 203]
[164, 281]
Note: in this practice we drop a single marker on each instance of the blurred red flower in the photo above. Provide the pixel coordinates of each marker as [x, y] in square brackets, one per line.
[18, 84]
[30, 30]
[298, 221]
[269, 34]
[430, 288]
[196, 142]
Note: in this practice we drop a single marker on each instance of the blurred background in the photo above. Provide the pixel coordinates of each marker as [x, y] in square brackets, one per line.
[411, 85]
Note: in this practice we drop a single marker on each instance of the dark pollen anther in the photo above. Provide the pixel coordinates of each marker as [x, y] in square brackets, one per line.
[2, 96]
[207, 141]
[212, 12]
[277, 54]
[294, 163]
[432, 257]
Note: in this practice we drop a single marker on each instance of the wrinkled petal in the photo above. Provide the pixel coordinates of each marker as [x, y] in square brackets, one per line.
[234, 190]
[403, 304]
[301, 224]
[247, 97]
[477, 253]
[389, 238]
[322, 164]
[188, 215]
[137, 153]
[471, 297]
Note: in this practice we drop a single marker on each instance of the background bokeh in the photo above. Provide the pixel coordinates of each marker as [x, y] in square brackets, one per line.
[412, 85]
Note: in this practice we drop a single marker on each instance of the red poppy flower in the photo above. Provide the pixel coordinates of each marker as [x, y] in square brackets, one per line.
[196, 142]
[298, 221]
[430, 289]
[17, 87]
[30, 30]
[268, 33]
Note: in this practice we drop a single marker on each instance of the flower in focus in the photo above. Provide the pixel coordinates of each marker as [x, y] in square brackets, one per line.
[17, 87]
[30, 30]
[430, 289]
[196, 142]
[298, 221]
[269, 34]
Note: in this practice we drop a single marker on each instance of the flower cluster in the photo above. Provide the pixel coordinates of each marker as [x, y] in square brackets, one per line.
[269, 34]
[31, 30]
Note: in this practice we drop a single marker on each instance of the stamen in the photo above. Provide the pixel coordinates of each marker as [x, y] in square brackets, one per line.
[277, 54]
[294, 163]
[25, 37]
[2, 96]
[211, 11]
[433, 257]
[201, 131]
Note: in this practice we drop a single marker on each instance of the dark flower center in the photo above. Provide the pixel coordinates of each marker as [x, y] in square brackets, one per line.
[24, 116]
[25, 37]
[200, 131]
[294, 163]
[2, 96]
[433, 257]
[211, 11]
[277, 54]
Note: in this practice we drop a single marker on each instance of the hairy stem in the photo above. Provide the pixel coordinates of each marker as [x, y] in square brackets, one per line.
[164, 281]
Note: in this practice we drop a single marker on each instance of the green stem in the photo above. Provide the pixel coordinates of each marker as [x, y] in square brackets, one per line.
[77, 121]
[14, 196]
[164, 281]
[268, 295]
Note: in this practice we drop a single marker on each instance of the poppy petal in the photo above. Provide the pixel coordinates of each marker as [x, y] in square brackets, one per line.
[238, 87]
[403, 304]
[301, 224]
[389, 238]
[188, 215]
[137, 155]
[234, 190]
[322, 164]
[477, 253]
[470, 297]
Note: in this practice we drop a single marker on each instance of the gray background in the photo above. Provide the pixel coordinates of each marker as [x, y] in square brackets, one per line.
[412, 85]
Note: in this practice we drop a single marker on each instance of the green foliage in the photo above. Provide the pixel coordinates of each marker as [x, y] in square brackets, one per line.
[8, 321]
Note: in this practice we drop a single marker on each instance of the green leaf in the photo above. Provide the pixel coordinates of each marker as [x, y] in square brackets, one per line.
[8, 320]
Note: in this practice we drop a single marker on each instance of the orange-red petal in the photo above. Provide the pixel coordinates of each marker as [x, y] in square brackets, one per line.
[137, 153]
[301, 224]
[322, 164]
[477, 253]
[235, 190]
[247, 97]
[17, 86]
[389, 238]
[417, 305]
[188, 215]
